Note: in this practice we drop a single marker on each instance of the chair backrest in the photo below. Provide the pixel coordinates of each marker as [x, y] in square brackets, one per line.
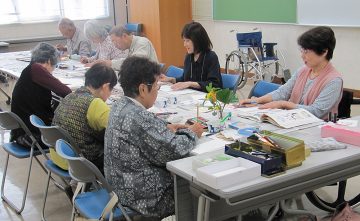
[135, 28]
[50, 134]
[10, 121]
[344, 109]
[230, 81]
[174, 72]
[262, 87]
[80, 169]
[251, 39]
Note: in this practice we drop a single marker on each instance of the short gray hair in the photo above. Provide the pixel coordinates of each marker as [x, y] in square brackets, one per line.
[119, 31]
[67, 23]
[93, 29]
[43, 53]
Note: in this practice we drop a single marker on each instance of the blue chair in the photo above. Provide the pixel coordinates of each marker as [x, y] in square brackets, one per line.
[10, 121]
[262, 87]
[49, 136]
[174, 72]
[230, 81]
[135, 28]
[100, 204]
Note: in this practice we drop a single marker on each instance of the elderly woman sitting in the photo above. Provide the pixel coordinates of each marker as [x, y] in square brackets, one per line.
[138, 143]
[84, 113]
[106, 50]
[317, 86]
[32, 91]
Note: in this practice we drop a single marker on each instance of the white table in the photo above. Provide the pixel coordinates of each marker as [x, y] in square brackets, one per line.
[318, 170]
[13, 63]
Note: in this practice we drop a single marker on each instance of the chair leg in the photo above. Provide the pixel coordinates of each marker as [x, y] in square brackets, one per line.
[41, 165]
[17, 210]
[45, 196]
[73, 214]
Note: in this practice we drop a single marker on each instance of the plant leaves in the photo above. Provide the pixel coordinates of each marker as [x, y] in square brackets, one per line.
[226, 96]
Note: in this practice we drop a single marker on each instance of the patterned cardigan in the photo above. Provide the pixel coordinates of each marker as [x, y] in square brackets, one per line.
[137, 147]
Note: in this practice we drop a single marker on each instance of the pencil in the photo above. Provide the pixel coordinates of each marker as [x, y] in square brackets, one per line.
[197, 112]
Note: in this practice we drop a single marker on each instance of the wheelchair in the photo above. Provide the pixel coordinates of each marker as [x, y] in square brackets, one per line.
[254, 59]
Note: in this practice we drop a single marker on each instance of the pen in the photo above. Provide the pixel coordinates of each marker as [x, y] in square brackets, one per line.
[261, 138]
[271, 141]
[165, 113]
[334, 117]
[252, 102]
[197, 112]
[249, 104]
[329, 117]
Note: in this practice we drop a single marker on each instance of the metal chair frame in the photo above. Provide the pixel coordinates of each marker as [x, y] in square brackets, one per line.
[49, 136]
[10, 121]
[84, 172]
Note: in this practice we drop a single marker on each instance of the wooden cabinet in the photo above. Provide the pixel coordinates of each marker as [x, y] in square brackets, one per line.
[163, 21]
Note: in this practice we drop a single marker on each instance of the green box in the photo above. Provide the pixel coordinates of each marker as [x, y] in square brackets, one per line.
[292, 149]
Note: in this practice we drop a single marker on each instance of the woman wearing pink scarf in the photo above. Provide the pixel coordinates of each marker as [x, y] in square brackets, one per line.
[317, 86]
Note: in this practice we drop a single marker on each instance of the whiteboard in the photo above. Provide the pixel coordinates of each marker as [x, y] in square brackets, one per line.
[329, 12]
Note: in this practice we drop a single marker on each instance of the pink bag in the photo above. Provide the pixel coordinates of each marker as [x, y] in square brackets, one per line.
[344, 213]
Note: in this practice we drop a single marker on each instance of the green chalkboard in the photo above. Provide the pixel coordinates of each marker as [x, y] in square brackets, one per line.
[282, 11]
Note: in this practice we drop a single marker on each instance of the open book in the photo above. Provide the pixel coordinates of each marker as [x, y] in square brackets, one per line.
[279, 117]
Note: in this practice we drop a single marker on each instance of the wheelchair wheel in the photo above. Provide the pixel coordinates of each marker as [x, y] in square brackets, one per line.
[234, 65]
[322, 204]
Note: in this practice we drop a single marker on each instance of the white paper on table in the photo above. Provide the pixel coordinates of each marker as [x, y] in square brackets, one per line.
[208, 144]
[167, 88]
[198, 97]
[349, 123]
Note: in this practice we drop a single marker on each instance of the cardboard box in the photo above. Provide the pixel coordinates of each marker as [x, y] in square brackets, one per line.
[228, 173]
[342, 134]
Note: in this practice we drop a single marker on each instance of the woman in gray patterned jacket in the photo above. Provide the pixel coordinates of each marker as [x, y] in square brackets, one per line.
[138, 144]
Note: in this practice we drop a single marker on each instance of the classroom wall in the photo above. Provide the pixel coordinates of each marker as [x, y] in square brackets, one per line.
[223, 35]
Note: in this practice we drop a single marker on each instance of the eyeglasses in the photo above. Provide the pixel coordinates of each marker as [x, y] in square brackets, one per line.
[304, 51]
[158, 85]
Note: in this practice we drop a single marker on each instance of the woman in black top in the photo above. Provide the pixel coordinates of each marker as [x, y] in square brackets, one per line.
[32, 91]
[201, 65]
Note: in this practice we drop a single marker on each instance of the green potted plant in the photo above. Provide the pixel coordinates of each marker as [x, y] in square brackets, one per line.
[219, 98]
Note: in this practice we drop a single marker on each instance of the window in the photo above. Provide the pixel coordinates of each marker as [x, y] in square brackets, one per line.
[25, 11]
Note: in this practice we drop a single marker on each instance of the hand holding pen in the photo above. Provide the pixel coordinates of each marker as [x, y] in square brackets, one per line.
[252, 102]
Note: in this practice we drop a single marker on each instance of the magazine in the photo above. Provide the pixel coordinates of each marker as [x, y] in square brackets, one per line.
[279, 117]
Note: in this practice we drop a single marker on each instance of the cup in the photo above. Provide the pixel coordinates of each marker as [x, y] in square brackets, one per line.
[215, 126]
[75, 57]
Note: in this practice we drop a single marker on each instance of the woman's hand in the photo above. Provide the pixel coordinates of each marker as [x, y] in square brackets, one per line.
[84, 60]
[181, 85]
[61, 47]
[197, 129]
[164, 78]
[278, 105]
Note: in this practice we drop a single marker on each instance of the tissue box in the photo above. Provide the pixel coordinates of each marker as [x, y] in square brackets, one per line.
[291, 149]
[270, 165]
[228, 173]
[342, 134]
